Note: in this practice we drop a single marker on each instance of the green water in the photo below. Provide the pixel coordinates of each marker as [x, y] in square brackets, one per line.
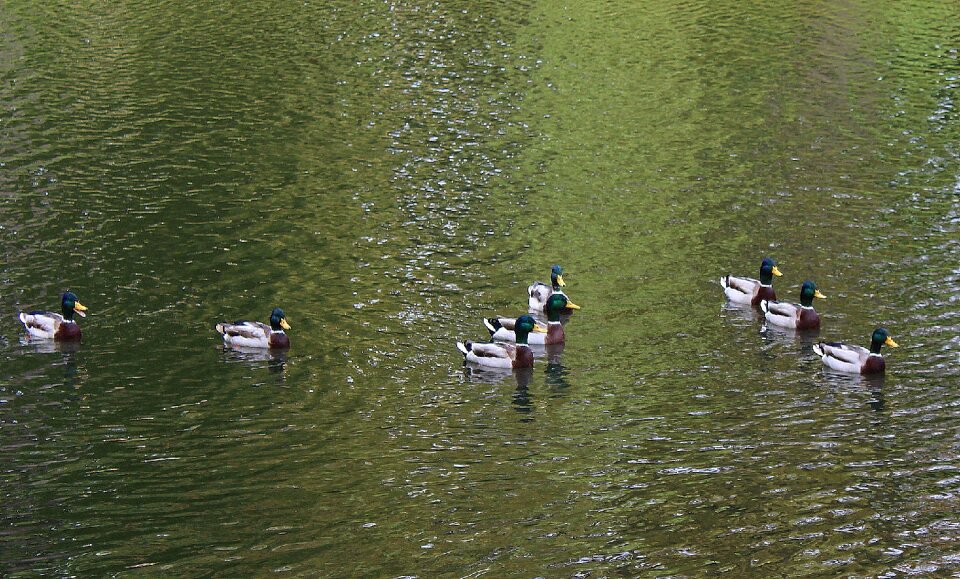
[389, 174]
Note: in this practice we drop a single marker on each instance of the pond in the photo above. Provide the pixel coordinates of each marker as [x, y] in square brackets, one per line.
[390, 173]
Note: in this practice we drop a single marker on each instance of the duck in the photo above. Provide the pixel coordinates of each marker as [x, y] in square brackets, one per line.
[53, 326]
[538, 292]
[244, 334]
[800, 316]
[502, 329]
[856, 359]
[746, 290]
[498, 355]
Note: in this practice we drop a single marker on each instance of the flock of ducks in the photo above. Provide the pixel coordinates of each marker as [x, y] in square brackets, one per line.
[510, 338]
[43, 325]
[802, 316]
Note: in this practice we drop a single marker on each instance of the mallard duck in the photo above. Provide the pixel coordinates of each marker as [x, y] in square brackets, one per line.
[746, 290]
[801, 316]
[503, 328]
[50, 325]
[538, 292]
[244, 334]
[517, 355]
[856, 359]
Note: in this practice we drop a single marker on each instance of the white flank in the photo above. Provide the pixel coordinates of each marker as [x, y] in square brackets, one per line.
[842, 358]
[42, 326]
[492, 361]
[779, 314]
[735, 289]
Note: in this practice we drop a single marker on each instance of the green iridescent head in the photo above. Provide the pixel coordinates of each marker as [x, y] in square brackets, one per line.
[808, 291]
[557, 305]
[556, 277]
[768, 269]
[880, 337]
[69, 304]
[278, 320]
[524, 325]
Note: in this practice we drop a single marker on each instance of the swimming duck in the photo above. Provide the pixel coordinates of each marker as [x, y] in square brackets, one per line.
[539, 292]
[503, 328]
[801, 316]
[50, 325]
[517, 355]
[244, 334]
[856, 359]
[746, 290]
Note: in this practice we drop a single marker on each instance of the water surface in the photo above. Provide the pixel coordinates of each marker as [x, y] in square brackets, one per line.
[389, 173]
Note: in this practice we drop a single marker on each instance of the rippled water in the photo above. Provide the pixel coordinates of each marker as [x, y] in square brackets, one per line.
[389, 173]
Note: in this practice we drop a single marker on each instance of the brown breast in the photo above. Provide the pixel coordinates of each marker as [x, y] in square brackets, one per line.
[524, 358]
[68, 332]
[555, 334]
[873, 365]
[765, 293]
[278, 340]
[809, 319]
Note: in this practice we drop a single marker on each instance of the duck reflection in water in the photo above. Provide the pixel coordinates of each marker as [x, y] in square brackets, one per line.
[276, 360]
[490, 375]
[520, 376]
[72, 374]
[874, 383]
[744, 312]
[521, 396]
[741, 316]
[49, 346]
[787, 336]
[556, 372]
